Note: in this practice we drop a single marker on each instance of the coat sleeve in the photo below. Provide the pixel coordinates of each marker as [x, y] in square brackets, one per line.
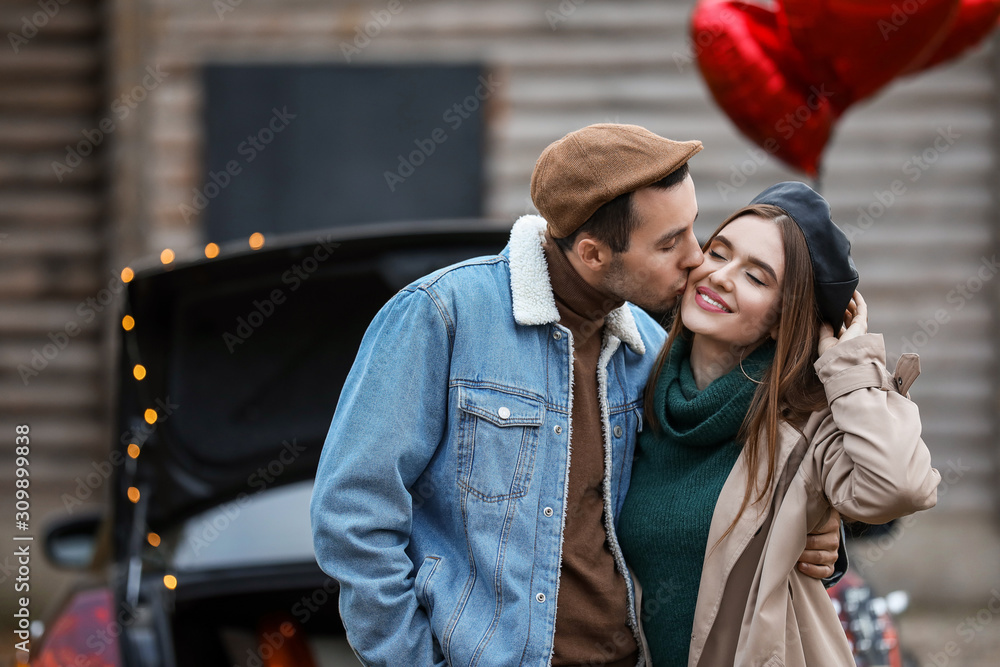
[387, 425]
[869, 457]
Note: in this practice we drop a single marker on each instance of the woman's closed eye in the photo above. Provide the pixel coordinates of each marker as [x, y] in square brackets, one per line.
[754, 279]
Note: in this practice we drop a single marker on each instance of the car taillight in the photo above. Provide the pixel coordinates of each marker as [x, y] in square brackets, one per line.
[891, 640]
[282, 642]
[85, 633]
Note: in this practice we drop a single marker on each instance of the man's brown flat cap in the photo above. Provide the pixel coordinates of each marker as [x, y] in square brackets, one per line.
[586, 169]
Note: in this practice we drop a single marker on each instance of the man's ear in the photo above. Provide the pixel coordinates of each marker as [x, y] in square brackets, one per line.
[594, 254]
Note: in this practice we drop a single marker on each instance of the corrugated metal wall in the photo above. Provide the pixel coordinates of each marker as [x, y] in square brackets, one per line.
[51, 240]
[566, 64]
[55, 292]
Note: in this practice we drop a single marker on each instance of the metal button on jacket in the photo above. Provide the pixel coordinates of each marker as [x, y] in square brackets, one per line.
[547, 511]
[557, 428]
[504, 412]
[618, 431]
[540, 597]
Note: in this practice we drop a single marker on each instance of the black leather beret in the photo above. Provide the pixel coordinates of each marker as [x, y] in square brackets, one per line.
[834, 273]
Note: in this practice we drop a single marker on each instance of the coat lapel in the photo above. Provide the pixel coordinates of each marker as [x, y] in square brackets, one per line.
[721, 557]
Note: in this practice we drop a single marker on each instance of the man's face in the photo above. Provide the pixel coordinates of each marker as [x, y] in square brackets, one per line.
[653, 272]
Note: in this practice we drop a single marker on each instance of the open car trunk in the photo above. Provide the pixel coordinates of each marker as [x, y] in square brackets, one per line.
[270, 617]
[244, 358]
[246, 354]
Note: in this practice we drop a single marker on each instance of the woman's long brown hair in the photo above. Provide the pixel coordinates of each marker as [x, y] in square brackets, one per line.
[789, 390]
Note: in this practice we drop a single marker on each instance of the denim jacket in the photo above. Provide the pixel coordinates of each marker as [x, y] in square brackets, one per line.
[440, 497]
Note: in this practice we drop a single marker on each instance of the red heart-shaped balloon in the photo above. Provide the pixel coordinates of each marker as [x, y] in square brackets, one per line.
[761, 83]
[856, 47]
[784, 75]
[976, 19]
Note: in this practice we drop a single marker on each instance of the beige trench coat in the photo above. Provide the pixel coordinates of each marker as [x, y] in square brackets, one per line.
[864, 457]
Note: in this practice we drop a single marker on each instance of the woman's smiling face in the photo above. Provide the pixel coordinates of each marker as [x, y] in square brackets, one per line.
[734, 297]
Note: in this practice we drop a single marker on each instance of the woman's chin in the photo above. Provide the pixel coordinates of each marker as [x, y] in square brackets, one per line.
[710, 335]
[694, 319]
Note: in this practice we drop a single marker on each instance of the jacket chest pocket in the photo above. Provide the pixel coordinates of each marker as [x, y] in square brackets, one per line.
[498, 441]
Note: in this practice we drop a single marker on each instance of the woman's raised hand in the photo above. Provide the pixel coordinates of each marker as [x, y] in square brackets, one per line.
[855, 324]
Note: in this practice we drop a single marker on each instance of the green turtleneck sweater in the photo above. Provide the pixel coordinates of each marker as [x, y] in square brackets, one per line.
[677, 476]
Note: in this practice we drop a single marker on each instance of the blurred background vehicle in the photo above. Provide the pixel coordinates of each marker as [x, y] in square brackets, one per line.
[870, 622]
[205, 557]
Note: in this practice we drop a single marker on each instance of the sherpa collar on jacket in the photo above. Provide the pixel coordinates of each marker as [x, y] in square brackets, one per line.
[531, 289]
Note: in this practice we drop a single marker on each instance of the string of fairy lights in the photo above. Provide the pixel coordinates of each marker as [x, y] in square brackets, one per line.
[150, 416]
